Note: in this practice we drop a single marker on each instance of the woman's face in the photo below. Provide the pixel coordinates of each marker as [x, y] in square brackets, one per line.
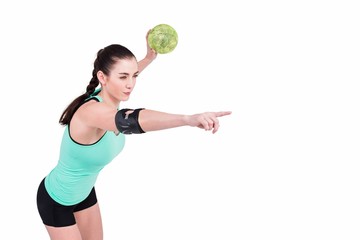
[121, 80]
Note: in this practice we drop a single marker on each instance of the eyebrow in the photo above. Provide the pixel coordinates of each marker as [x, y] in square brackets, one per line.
[127, 74]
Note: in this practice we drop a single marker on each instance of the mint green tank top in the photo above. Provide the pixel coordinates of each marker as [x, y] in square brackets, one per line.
[79, 165]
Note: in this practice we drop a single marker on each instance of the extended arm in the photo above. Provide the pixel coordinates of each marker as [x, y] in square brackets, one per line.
[99, 115]
[151, 120]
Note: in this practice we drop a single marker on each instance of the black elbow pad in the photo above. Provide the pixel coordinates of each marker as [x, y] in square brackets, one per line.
[127, 122]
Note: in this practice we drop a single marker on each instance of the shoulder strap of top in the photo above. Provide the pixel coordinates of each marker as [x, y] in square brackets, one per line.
[95, 96]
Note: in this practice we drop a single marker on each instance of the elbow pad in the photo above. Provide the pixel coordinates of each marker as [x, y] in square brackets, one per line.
[127, 122]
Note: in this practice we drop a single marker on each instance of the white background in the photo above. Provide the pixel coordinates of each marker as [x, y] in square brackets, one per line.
[284, 165]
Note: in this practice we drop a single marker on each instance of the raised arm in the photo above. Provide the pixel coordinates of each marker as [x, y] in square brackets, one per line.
[150, 55]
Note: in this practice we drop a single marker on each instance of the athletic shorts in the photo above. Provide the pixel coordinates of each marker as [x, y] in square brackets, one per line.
[57, 215]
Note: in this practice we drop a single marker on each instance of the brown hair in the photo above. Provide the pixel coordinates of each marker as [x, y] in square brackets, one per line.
[104, 61]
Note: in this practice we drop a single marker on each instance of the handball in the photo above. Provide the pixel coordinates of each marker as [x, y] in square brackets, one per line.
[163, 38]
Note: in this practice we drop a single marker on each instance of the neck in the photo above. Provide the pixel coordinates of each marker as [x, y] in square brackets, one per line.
[108, 100]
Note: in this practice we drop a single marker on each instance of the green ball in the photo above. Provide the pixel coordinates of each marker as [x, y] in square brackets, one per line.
[163, 38]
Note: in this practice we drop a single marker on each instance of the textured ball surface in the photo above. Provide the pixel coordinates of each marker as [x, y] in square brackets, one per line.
[163, 38]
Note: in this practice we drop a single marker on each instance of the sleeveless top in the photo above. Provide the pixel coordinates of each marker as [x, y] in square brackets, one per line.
[79, 165]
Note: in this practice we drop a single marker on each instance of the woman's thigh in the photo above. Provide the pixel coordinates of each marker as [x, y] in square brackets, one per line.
[89, 223]
[64, 233]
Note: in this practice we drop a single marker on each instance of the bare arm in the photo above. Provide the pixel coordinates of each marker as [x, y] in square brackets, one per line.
[99, 115]
[150, 55]
[151, 120]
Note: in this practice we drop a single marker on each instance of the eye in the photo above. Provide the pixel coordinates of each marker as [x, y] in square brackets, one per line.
[123, 77]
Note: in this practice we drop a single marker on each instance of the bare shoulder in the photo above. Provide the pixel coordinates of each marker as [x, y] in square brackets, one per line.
[96, 115]
[84, 111]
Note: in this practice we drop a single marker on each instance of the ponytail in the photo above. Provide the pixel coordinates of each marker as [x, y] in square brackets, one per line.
[68, 113]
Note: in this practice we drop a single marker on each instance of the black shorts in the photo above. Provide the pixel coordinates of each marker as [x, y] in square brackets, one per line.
[57, 215]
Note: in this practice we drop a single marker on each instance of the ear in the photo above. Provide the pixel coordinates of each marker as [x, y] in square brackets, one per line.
[101, 76]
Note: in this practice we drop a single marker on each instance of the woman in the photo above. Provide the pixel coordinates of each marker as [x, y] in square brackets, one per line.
[95, 129]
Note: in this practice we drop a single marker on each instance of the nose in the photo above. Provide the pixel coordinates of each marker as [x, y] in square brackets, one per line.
[130, 84]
